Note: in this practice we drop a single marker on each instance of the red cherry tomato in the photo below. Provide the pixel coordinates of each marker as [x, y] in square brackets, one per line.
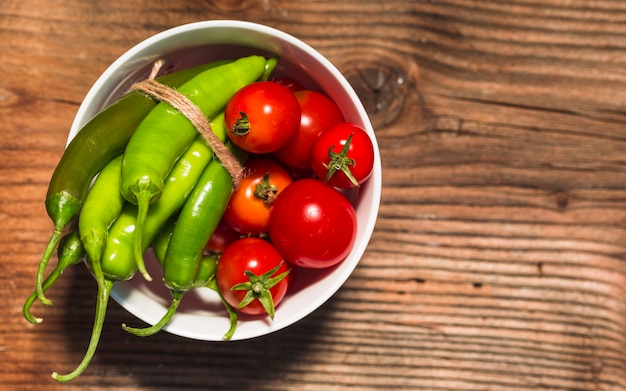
[318, 112]
[221, 238]
[249, 207]
[343, 155]
[312, 224]
[262, 116]
[250, 261]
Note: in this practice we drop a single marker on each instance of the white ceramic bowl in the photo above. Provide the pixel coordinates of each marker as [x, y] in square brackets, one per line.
[201, 315]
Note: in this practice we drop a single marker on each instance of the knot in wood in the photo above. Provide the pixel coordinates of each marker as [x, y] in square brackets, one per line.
[562, 199]
[381, 89]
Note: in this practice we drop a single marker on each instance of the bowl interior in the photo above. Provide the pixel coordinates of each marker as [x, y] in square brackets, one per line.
[201, 315]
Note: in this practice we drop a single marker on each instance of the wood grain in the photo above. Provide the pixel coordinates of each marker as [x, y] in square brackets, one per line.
[497, 262]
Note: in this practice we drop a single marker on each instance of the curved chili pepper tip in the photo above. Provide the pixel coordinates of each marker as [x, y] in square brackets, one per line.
[54, 275]
[52, 245]
[70, 252]
[158, 326]
[101, 307]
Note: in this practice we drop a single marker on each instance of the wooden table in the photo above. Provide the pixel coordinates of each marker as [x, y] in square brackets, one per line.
[497, 262]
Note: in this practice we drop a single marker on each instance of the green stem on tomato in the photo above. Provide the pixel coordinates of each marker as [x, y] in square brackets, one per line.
[340, 162]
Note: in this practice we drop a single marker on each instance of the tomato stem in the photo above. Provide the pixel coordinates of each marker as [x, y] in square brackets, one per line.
[341, 162]
[242, 125]
[258, 287]
[265, 190]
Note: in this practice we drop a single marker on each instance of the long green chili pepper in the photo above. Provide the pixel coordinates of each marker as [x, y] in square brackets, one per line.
[101, 208]
[117, 265]
[165, 133]
[181, 180]
[208, 262]
[100, 140]
[196, 222]
[205, 277]
[70, 252]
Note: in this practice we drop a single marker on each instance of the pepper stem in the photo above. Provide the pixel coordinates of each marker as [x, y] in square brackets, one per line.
[51, 246]
[70, 252]
[104, 291]
[232, 314]
[158, 326]
[143, 205]
[50, 280]
[54, 275]
[93, 243]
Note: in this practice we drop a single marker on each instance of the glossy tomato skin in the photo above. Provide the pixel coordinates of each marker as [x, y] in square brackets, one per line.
[262, 116]
[248, 212]
[312, 224]
[258, 256]
[318, 112]
[361, 151]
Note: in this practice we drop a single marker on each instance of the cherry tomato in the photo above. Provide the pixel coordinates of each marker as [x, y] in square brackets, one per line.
[312, 224]
[249, 207]
[343, 155]
[318, 112]
[221, 238]
[262, 116]
[253, 265]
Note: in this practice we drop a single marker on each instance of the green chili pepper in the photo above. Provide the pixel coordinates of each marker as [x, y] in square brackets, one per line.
[165, 133]
[101, 208]
[208, 263]
[117, 260]
[70, 252]
[178, 186]
[181, 180]
[205, 277]
[196, 222]
[100, 140]
[117, 265]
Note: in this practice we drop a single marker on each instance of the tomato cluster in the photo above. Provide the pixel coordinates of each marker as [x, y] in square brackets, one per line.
[290, 212]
